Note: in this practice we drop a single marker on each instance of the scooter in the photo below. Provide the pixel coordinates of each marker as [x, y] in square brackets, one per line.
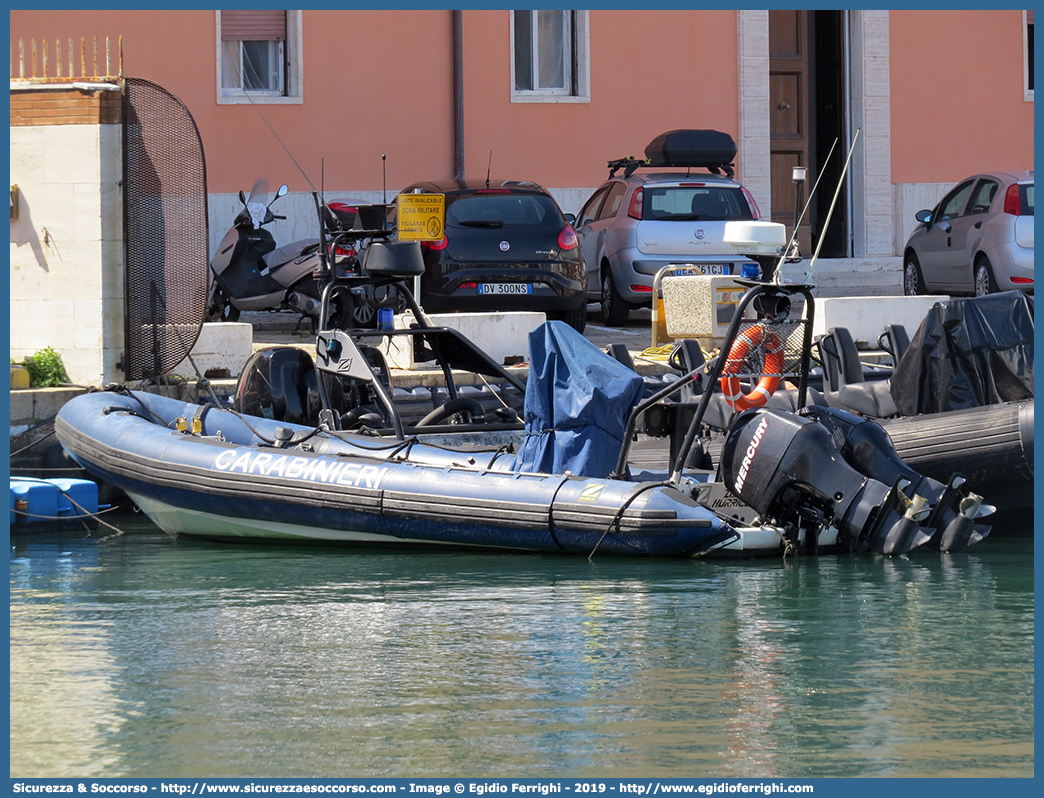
[251, 273]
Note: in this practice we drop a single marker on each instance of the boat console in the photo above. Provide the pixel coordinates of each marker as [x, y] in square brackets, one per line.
[348, 386]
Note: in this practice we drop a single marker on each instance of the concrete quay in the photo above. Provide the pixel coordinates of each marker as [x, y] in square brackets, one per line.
[223, 349]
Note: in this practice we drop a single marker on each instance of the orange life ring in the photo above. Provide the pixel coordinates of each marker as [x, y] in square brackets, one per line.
[745, 342]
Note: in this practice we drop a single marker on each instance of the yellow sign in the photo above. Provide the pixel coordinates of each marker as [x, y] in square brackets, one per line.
[421, 217]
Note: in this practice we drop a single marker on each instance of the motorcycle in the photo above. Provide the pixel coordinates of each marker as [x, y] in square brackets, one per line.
[249, 272]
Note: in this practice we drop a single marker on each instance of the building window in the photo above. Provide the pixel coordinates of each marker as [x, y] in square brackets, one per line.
[549, 56]
[259, 56]
[1027, 34]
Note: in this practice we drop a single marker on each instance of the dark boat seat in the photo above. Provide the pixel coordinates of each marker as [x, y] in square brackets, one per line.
[894, 340]
[719, 413]
[619, 353]
[843, 382]
[688, 356]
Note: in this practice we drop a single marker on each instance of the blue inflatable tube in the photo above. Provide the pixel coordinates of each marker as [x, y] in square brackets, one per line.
[227, 476]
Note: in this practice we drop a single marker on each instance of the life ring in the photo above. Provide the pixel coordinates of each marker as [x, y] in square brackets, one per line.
[745, 343]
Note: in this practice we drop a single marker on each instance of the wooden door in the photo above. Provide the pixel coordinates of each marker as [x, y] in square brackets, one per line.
[789, 118]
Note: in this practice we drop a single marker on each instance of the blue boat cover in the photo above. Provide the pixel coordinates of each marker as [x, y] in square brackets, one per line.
[577, 403]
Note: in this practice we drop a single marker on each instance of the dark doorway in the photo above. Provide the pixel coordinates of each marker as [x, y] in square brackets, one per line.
[828, 104]
[807, 105]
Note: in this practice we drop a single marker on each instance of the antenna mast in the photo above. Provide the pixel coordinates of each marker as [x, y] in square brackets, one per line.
[833, 202]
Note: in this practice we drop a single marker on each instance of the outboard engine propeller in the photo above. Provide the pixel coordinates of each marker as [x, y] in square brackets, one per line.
[787, 466]
[867, 448]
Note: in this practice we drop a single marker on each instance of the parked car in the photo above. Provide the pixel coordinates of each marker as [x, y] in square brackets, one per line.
[977, 240]
[507, 246]
[641, 220]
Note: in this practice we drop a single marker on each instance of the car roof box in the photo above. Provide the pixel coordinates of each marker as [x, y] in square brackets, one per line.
[708, 148]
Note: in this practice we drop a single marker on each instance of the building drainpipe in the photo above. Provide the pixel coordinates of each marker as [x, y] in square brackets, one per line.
[458, 94]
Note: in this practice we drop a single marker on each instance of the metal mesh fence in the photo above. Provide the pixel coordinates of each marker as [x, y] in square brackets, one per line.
[165, 230]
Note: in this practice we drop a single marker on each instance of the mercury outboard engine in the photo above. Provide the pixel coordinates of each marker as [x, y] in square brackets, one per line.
[789, 469]
[867, 448]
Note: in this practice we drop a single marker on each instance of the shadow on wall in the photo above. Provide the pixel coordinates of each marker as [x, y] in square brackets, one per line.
[23, 233]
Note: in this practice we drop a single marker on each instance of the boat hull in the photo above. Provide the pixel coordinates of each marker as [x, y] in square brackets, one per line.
[991, 447]
[226, 482]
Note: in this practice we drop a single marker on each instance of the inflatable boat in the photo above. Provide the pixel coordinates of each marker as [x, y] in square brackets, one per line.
[959, 395]
[328, 451]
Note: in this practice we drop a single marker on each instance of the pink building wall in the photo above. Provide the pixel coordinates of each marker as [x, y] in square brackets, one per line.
[357, 102]
[646, 77]
[381, 82]
[957, 95]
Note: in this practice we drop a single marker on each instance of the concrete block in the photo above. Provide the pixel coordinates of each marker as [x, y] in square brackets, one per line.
[84, 366]
[850, 277]
[866, 317]
[37, 324]
[500, 335]
[221, 345]
[698, 306]
[39, 404]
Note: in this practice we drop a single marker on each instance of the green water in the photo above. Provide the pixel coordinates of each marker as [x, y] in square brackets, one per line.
[142, 657]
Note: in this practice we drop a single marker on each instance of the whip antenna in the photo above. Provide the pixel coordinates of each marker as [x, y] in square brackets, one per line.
[281, 144]
[489, 167]
[384, 178]
[833, 202]
[777, 278]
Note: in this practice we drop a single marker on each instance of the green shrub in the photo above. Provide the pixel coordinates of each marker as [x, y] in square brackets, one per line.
[46, 369]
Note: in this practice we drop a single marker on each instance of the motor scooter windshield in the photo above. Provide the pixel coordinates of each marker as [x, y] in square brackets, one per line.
[259, 190]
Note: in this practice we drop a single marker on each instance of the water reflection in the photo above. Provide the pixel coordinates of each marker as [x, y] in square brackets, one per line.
[146, 657]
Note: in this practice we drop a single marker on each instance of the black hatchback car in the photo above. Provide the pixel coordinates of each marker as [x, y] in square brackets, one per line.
[507, 247]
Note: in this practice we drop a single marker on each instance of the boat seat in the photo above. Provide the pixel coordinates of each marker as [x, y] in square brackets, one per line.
[894, 340]
[844, 385]
[719, 413]
[687, 356]
[619, 353]
[654, 382]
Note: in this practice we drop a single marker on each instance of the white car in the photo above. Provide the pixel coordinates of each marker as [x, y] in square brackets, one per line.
[645, 217]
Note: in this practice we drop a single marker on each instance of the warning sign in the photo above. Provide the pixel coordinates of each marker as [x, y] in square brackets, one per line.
[421, 217]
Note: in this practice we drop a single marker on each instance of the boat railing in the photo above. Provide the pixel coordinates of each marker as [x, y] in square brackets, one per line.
[774, 307]
[341, 352]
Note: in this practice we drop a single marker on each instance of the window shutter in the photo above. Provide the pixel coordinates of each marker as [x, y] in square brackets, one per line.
[1029, 17]
[255, 26]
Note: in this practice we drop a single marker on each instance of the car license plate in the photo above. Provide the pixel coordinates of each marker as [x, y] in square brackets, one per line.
[700, 268]
[505, 288]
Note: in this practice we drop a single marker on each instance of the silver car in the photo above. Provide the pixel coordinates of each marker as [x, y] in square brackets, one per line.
[978, 240]
[638, 222]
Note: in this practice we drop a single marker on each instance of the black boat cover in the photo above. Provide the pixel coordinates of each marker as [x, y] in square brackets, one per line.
[577, 403]
[968, 353]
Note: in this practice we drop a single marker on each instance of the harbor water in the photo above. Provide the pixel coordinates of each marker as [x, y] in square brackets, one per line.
[137, 656]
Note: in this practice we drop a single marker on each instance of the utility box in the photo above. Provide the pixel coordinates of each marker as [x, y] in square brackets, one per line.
[699, 306]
